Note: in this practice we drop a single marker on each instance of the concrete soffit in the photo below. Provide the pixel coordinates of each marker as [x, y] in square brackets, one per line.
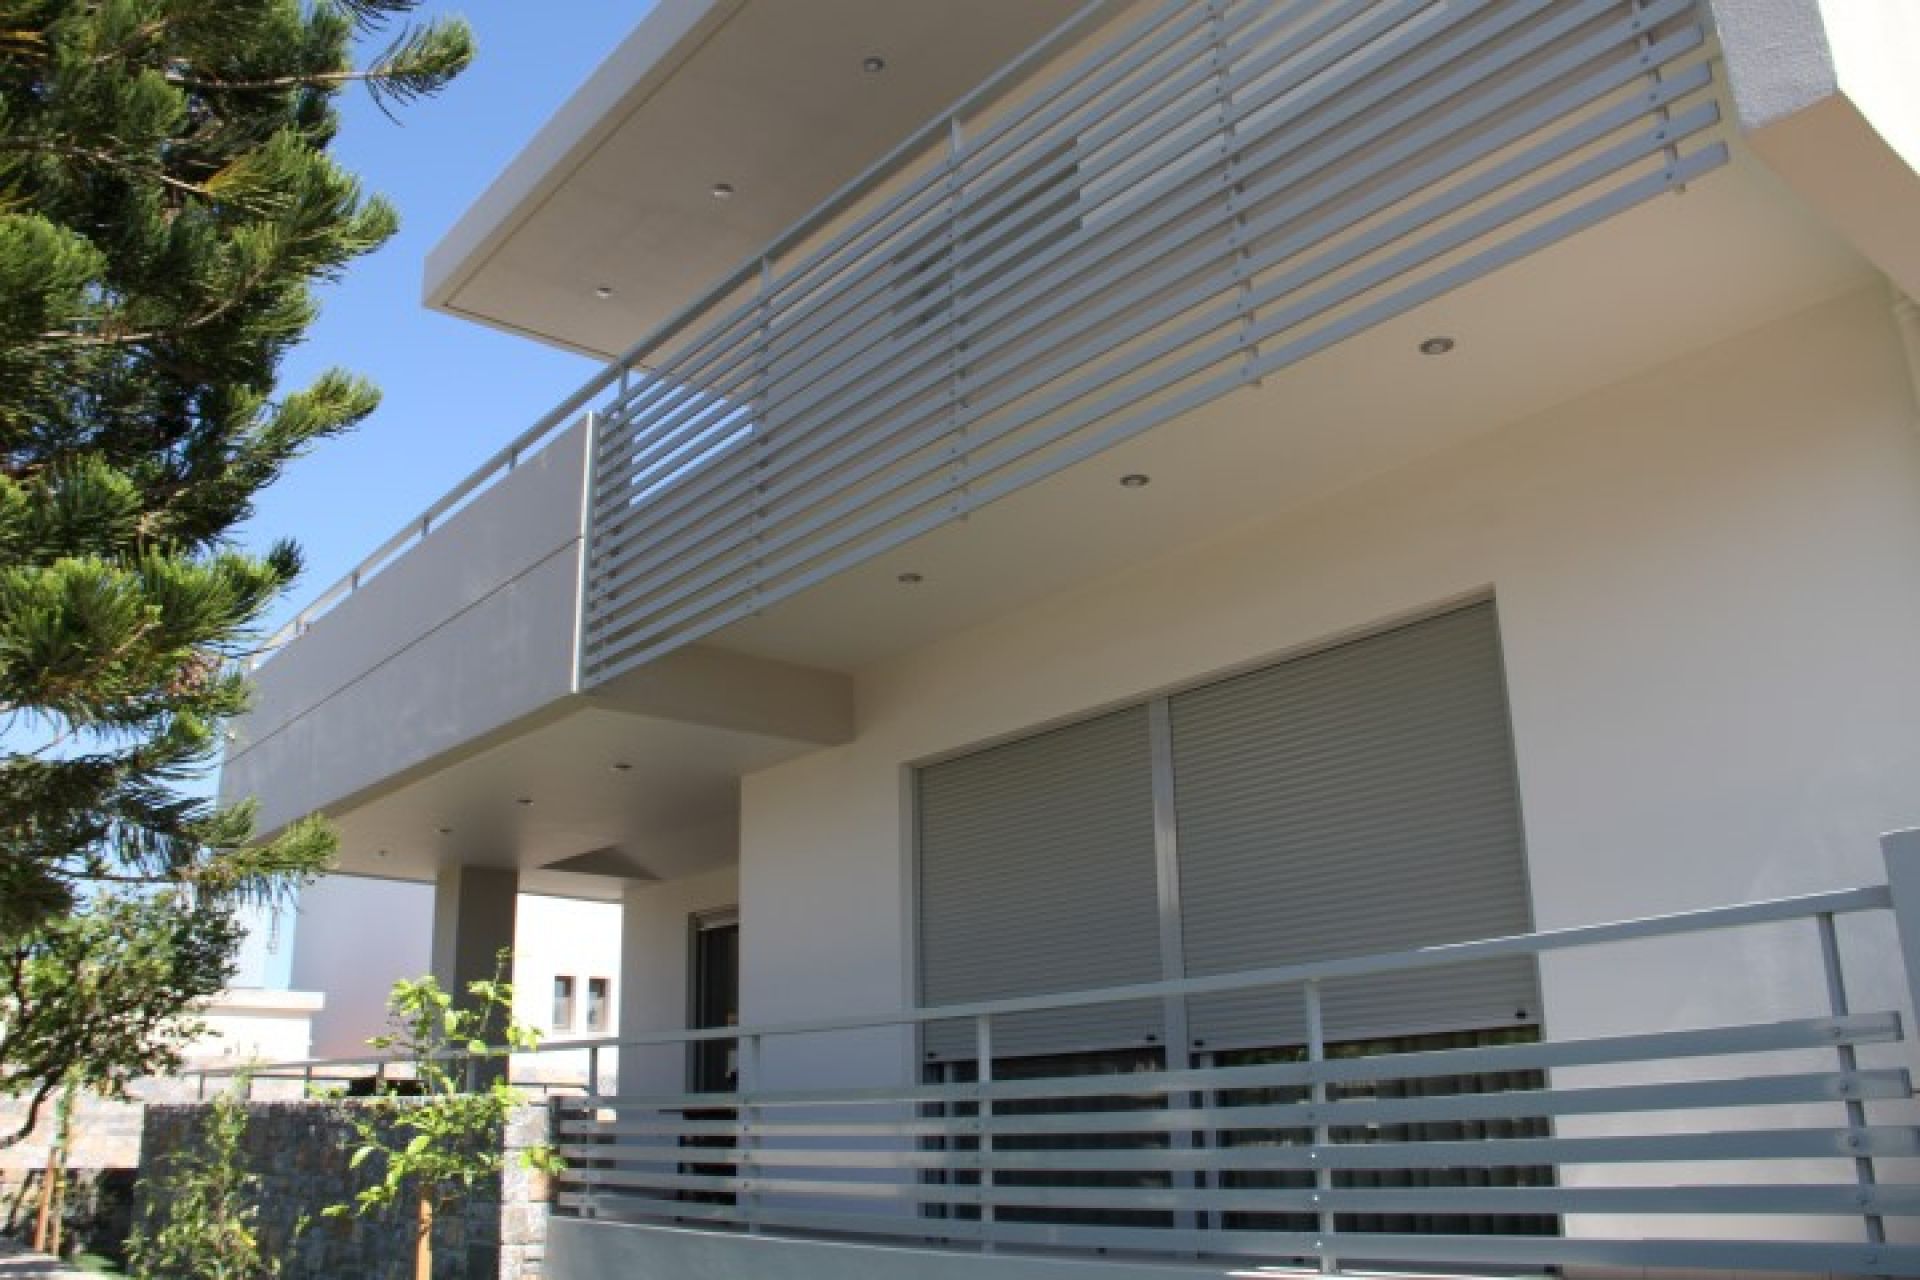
[657, 48]
[727, 690]
[1822, 90]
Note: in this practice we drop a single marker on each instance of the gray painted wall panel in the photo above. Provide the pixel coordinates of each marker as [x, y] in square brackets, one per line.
[467, 631]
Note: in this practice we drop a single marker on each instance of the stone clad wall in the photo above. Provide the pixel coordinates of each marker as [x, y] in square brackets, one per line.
[300, 1150]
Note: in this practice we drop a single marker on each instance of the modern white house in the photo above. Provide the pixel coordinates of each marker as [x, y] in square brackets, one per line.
[1198, 637]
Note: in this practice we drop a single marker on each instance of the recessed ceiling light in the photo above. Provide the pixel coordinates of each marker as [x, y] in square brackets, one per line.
[723, 191]
[524, 800]
[445, 831]
[1437, 346]
[621, 766]
[1135, 481]
[604, 292]
[873, 64]
[382, 853]
[910, 578]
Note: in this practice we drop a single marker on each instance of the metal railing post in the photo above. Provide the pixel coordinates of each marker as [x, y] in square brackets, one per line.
[956, 331]
[1322, 1176]
[1863, 1171]
[1901, 850]
[593, 1071]
[983, 1116]
[748, 1168]
[759, 424]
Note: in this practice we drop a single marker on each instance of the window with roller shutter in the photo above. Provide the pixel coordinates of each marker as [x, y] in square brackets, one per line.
[1355, 800]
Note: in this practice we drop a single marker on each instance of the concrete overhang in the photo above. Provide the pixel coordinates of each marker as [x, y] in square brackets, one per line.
[1826, 93]
[769, 97]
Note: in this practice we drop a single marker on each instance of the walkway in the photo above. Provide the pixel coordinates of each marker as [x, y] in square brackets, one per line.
[18, 1264]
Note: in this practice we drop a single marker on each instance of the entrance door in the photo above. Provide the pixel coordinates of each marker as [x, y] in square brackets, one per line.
[716, 1000]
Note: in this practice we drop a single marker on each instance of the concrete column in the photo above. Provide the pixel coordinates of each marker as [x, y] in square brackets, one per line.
[474, 910]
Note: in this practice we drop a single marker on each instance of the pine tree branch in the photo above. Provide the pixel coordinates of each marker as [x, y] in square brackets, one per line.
[78, 338]
[305, 80]
[106, 159]
[105, 877]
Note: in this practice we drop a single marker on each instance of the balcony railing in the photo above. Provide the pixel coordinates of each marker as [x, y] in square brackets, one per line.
[1071, 257]
[1316, 1151]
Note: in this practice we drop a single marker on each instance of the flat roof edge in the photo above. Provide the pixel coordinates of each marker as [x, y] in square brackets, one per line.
[649, 56]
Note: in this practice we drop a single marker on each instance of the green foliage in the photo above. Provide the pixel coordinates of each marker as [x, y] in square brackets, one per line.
[440, 1147]
[203, 1209]
[166, 205]
[108, 994]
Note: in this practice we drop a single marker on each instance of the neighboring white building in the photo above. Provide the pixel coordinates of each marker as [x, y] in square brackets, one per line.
[247, 1025]
[356, 936]
[1378, 539]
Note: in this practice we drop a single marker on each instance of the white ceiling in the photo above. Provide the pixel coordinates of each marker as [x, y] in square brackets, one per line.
[672, 812]
[767, 96]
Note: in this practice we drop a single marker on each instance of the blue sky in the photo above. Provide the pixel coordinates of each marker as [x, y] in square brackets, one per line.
[454, 391]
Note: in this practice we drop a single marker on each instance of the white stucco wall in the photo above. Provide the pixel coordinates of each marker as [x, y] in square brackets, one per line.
[1706, 581]
[656, 946]
[555, 936]
[357, 936]
[352, 939]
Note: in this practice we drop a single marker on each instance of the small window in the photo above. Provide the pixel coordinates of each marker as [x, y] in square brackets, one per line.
[563, 1004]
[598, 991]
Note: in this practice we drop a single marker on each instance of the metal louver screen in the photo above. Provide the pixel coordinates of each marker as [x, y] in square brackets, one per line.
[1358, 800]
[1202, 198]
[1036, 867]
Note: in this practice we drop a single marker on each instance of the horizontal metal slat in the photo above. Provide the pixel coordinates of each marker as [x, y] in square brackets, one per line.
[1659, 1148]
[1848, 1199]
[1692, 1095]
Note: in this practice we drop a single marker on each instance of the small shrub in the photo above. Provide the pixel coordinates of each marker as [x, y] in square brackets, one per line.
[441, 1143]
[203, 1212]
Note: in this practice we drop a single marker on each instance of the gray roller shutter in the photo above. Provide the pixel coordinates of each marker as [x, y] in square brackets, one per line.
[1036, 875]
[1357, 800]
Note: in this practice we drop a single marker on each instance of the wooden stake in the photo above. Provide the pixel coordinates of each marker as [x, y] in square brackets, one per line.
[46, 1227]
[46, 1203]
[423, 1246]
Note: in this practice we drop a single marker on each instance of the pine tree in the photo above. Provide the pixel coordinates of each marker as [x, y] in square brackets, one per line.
[167, 204]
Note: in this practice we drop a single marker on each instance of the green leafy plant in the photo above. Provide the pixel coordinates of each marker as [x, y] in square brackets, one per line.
[203, 1208]
[435, 1149]
[108, 994]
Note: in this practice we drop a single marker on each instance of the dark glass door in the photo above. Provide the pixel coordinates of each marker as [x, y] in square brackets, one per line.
[716, 1003]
